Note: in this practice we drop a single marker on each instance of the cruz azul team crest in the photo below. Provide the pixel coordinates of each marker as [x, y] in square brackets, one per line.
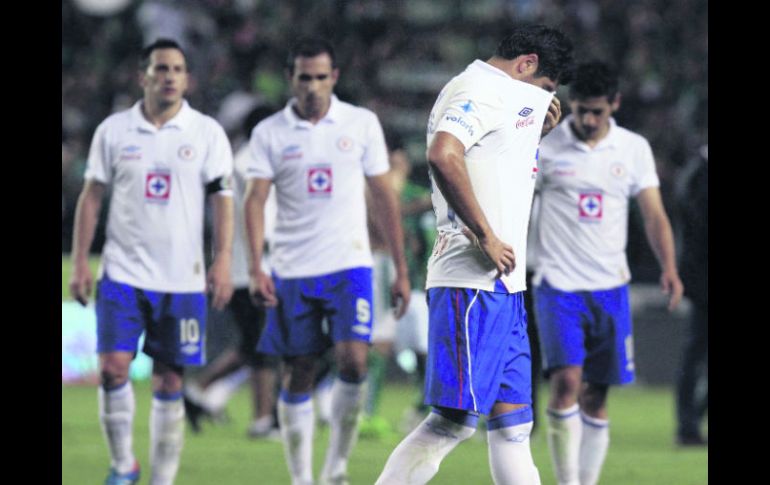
[590, 206]
[319, 180]
[157, 186]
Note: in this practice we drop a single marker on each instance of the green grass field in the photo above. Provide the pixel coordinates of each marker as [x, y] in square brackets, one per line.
[641, 450]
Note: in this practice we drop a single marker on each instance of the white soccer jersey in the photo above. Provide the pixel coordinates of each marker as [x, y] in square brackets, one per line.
[318, 172]
[498, 119]
[583, 220]
[240, 266]
[158, 178]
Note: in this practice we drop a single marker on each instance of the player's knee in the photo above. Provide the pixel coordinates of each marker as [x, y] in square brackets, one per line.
[457, 423]
[300, 374]
[166, 378]
[565, 386]
[113, 374]
[352, 367]
[593, 399]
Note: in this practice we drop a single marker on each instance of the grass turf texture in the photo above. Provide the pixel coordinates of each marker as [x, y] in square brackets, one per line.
[641, 451]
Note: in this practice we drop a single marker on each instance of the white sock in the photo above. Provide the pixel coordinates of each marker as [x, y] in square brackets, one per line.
[417, 458]
[166, 437]
[563, 434]
[510, 458]
[593, 448]
[297, 423]
[323, 399]
[116, 415]
[346, 404]
[219, 392]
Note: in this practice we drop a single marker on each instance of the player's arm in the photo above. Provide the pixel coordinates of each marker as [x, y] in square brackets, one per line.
[219, 280]
[86, 218]
[661, 239]
[260, 285]
[446, 156]
[388, 217]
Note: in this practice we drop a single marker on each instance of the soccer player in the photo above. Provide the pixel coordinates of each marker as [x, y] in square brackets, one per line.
[161, 158]
[483, 134]
[590, 168]
[317, 152]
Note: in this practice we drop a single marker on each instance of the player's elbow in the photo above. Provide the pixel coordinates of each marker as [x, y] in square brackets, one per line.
[441, 160]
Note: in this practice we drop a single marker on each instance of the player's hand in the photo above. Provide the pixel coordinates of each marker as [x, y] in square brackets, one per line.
[220, 285]
[552, 117]
[671, 285]
[262, 290]
[499, 253]
[81, 282]
[400, 293]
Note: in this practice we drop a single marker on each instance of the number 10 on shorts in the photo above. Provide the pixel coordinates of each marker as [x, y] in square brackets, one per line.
[189, 331]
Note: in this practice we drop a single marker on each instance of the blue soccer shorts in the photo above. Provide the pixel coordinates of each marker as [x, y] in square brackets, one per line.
[478, 350]
[295, 326]
[175, 323]
[591, 329]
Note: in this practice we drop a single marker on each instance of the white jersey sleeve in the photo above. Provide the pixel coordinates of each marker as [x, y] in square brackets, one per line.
[219, 162]
[260, 164]
[375, 159]
[643, 168]
[99, 165]
[468, 115]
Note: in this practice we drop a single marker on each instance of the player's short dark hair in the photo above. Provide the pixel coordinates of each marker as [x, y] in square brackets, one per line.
[553, 49]
[161, 43]
[310, 47]
[594, 78]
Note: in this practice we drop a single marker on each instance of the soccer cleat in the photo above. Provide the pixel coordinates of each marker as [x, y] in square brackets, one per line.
[129, 478]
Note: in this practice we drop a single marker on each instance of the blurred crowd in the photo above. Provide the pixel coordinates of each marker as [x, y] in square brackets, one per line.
[394, 57]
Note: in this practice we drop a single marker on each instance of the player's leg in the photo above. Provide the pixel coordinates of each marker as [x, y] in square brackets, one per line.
[119, 326]
[176, 336]
[510, 456]
[347, 399]
[417, 458]
[166, 422]
[116, 413]
[609, 361]
[564, 427]
[595, 437]
[559, 315]
[694, 356]
[296, 417]
[322, 389]
[511, 420]
[449, 388]
[208, 393]
[294, 331]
